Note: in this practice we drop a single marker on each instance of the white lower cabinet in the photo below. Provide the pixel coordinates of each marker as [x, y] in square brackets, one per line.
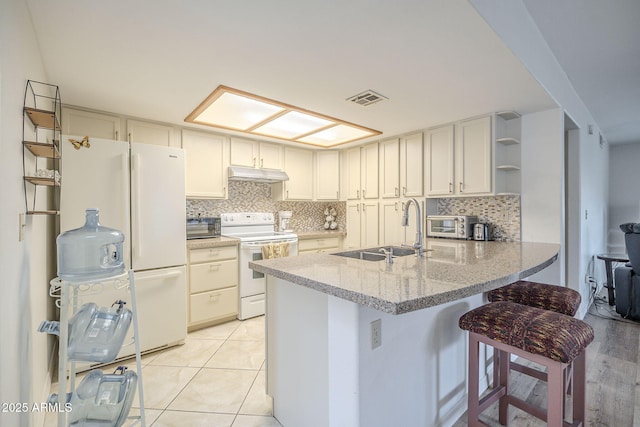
[213, 285]
[322, 244]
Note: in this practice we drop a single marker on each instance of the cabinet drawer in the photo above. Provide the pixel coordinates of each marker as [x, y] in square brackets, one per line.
[318, 244]
[213, 275]
[212, 254]
[213, 305]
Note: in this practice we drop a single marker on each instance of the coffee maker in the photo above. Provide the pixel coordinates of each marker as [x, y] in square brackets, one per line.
[284, 221]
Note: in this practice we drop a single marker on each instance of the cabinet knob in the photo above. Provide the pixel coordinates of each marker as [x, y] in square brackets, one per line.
[451, 187]
[461, 186]
[261, 162]
[254, 162]
[404, 191]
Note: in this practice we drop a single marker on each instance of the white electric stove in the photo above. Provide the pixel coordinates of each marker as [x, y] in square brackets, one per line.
[254, 230]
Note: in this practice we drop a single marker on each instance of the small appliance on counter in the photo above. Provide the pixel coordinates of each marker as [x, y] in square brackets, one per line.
[284, 221]
[481, 231]
[451, 226]
[203, 228]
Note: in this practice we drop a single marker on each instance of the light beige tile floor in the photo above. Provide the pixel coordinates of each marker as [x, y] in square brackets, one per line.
[216, 379]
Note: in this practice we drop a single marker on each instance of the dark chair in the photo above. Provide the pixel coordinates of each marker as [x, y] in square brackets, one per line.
[627, 278]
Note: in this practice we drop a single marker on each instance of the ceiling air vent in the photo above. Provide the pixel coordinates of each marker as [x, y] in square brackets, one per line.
[367, 98]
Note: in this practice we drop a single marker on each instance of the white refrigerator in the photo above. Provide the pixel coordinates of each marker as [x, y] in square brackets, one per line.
[139, 190]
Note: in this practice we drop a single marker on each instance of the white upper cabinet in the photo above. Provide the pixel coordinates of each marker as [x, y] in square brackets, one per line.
[256, 154]
[327, 175]
[86, 123]
[298, 164]
[370, 171]
[439, 161]
[149, 133]
[473, 157]
[390, 168]
[463, 167]
[270, 155]
[411, 165]
[207, 160]
[361, 172]
[352, 173]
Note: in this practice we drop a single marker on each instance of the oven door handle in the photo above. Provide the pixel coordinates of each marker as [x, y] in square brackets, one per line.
[266, 242]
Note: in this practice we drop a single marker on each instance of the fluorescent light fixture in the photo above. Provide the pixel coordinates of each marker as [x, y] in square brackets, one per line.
[233, 109]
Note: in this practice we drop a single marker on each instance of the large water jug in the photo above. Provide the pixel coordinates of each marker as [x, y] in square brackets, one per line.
[91, 252]
[103, 399]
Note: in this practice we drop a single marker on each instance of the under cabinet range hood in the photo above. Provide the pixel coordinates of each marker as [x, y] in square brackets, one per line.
[239, 173]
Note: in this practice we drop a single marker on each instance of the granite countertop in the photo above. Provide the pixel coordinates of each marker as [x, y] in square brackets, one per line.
[212, 243]
[319, 234]
[451, 271]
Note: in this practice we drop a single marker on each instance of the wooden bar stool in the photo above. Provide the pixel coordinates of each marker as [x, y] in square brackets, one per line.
[551, 339]
[540, 295]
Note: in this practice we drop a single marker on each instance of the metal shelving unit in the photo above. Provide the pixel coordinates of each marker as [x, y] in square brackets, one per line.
[41, 132]
[68, 296]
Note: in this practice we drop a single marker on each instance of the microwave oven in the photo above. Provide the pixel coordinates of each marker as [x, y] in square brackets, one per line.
[451, 226]
[203, 228]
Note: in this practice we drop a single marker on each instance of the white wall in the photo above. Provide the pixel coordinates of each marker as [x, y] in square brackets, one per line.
[542, 188]
[23, 264]
[512, 22]
[624, 192]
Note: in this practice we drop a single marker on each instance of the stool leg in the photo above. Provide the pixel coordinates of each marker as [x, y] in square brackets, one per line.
[555, 396]
[496, 372]
[579, 389]
[473, 399]
[504, 370]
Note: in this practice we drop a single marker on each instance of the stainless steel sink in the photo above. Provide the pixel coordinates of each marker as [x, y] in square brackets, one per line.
[395, 250]
[363, 255]
[374, 254]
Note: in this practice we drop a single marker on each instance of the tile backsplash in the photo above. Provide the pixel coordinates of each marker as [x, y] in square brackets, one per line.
[245, 196]
[503, 212]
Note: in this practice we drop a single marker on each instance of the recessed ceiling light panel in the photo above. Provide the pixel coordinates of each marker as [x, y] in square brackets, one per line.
[237, 112]
[292, 125]
[336, 135]
[242, 111]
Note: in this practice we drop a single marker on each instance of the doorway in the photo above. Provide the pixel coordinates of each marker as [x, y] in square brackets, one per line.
[572, 210]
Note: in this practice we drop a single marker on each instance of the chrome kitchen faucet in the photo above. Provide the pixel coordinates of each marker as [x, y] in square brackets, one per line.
[405, 222]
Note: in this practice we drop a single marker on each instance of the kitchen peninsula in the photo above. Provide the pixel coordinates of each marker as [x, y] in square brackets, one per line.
[352, 342]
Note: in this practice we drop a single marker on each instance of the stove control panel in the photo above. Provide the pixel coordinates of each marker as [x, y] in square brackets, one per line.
[247, 218]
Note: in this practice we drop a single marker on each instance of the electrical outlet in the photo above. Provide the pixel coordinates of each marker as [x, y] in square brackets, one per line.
[376, 333]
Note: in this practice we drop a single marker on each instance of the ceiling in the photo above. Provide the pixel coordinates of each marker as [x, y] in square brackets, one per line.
[597, 43]
[437, 61]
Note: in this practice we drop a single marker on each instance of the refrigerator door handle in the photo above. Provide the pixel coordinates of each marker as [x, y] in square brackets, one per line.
[169, 275]
[135, 194]
[125, 188]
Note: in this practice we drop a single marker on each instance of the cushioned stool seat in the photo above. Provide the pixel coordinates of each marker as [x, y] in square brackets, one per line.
[548, 338]
[539, 295]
